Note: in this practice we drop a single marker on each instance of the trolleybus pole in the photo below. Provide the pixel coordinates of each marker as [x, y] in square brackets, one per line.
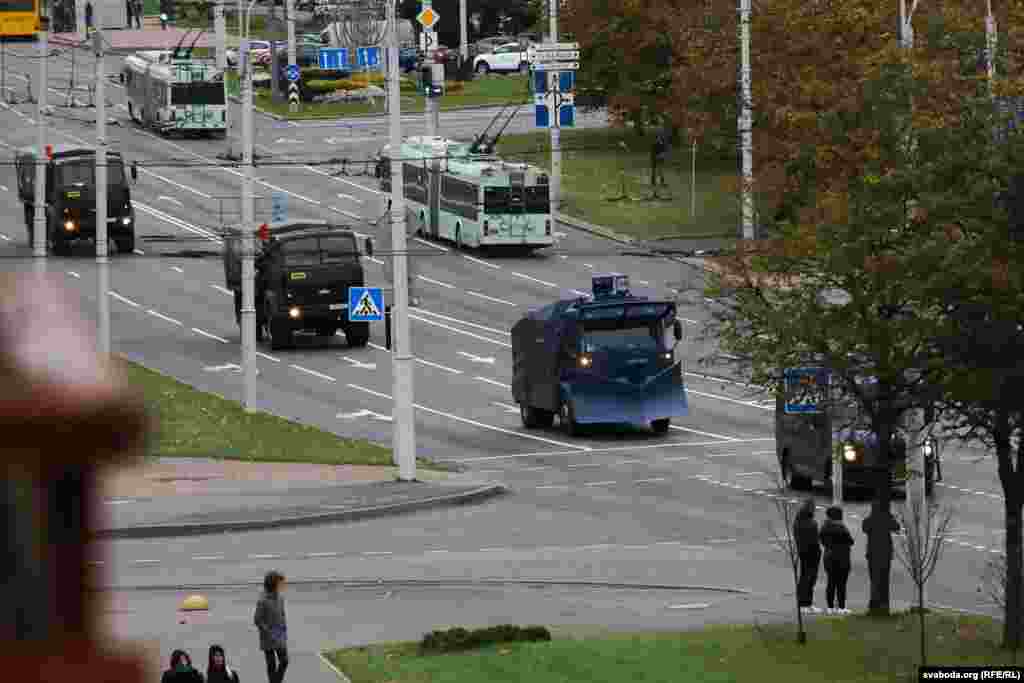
[102, 261]
[39, 218]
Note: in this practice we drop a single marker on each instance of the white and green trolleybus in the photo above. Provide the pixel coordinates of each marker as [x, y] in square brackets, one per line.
[459, 192]
[171, 94]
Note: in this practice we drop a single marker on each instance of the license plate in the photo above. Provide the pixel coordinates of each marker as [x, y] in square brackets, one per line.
[336, 307]
[298, 276]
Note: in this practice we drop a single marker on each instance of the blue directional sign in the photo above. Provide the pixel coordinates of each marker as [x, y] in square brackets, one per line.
[541, 115]
[368, 57]
[806, 389]
[333, 58]
[365, 304]
[278, 207]
[567, 116]
[292, 72]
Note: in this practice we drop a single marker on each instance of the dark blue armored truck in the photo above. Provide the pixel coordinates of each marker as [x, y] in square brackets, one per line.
[608, 358]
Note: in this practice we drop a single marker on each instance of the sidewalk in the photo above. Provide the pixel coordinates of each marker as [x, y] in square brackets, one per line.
[188, 496]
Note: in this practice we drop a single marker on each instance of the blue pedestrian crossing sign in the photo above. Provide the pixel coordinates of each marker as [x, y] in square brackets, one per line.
[292, 72]
[365, 304]
[806, 390]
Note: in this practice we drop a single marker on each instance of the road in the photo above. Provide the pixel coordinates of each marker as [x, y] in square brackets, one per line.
[695, 507]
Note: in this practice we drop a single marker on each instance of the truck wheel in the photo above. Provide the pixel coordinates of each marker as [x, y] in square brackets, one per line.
[126, 245]
[358, 335]
[661, 426]
[280, 336]
[568, 419]
[535, 418]
[61, 246]
[793, 480]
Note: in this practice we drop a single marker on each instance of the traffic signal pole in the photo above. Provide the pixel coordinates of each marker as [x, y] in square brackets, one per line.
[39, 237]
[248, 307]
[555, 182]
[102, 260]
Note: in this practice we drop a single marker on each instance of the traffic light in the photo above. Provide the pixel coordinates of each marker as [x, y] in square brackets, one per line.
[427, 80]
[264, 233]
[49, 152]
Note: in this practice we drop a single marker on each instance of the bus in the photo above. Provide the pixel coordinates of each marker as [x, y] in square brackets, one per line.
[470, 198]
[19, 18]
[175, 95]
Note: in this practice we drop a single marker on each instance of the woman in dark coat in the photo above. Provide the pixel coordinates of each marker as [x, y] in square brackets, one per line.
[181, 670]
[217, 670]
[837, 541]
[270, 620]
[805, 535]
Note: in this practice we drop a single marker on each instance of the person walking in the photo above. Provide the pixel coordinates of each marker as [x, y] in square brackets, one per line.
[137, 12]
[129, 9]
[805, 534]
[217, 669]
[837, 541]
[181, 670]
[270, 620]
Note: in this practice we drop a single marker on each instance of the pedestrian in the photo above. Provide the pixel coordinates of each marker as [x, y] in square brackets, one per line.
[837, 541]
[805, 534]
[181, 670]
[129, 9]
[88, 17]
[270, 620]
[879, 549]
[217, 670]
[137, 5]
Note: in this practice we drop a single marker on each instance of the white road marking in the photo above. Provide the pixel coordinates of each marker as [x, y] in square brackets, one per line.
[578, 292]
[4, 188]
[588, 265]
[646, 481]
[378, 552]
[263, 557]
[139, 252]
[599, 483]
[435, 282]
[669, 543]
[123, 299]
[375, 260]
[490, 298]
[477, 359]
[331, 554]
[343, 212]
[177, 185]
[538, 468]
[207, 557]
[508, 408]
[172, 200]
[749, 474]
[263, 355]
[177, 222]
[429, 244]
[349, 197]
[533, 279]
[472, 422]
[615, 449]
[439, 366]
[4, 237]
[751, 404]
[377, 347]
[74, 274]
[645, 283]
[352, 416]
[552, 486]
[583, 464]
[481, 262]
[146, 561]
[119, 501]
[695, 605]
[457, 331]
[177, 269]
[695, 431]
[627, 462]
[225, 290]
[221, 368]
[719, 455]
[163, 317]
[314, 373]
[494, 382]
[677, 458]
[463, 322]
[438, 551]
[360, 365]
[211, 336]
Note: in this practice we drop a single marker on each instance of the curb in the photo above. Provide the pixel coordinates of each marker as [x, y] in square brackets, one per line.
[593, 229]
[174, 530]
[285, 119]
[377, 583]
[341, 674]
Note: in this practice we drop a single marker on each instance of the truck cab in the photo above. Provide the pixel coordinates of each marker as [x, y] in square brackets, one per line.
[609, 358]
[70, 195]
[811, 441]
[304, 270]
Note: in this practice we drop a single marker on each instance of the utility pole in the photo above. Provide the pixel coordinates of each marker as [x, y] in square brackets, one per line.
[220, 29]
[293, 86]
[744, 124]
[39, 237]
[102, 261]
[555, 181]
[403, 418]
[80, 22]
[431, 104]
[247, 227]
[463, 33]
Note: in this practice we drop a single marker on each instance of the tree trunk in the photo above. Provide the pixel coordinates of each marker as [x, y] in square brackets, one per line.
[1008, 476]
[880, 533]
[920, 615]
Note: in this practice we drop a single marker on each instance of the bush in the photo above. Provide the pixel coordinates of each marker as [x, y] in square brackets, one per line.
[453, 87]
[368, 78]
[323, 75]
[407, 85]
[458, 639]
[322, 87]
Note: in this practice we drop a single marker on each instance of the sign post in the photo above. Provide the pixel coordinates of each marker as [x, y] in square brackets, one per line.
[554, 67]
[428, 18]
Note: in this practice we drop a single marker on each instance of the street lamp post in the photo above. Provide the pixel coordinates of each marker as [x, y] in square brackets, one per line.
[248, 308]
[39, 237]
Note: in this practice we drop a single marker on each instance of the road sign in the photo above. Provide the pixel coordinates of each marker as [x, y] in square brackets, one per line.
[428, 18]
[546, 47]
[560, 55]
[292, 72]
[293, 93]
[333, 58]
[365, 304]
[551, 81]
[368, 57]
[562, 103]
[278, 207]
[806, 389]
[555, 65]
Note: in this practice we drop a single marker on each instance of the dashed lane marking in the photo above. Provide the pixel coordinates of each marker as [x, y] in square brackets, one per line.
[491, 381]
[439, 366]
[163, 317]
[430, 244]
[584, 464]
[599, 483]
[123, 299]
[223, 290]
[264, 557]
[700, 433]
[211, 336]
[435, 282]
[695, 605]
[481, 262]
[177, 269]
[314, 373]
[650, 480]
[377, 552]
[207, 557]
[74, 274]
[533, 279]
[490, 298]
[270, 358]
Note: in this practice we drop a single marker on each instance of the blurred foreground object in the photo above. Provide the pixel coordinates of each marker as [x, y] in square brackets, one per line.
[64, 413]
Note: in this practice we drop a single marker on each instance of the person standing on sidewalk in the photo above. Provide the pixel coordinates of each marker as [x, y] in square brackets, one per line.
[837, 541]
[805, 534]
[270, 620]
[217, 669]
[181, 670]
[137, 11]
[129, 9]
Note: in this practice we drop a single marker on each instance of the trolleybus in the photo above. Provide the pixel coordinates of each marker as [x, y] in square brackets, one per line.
[19, 18]
[173, 94]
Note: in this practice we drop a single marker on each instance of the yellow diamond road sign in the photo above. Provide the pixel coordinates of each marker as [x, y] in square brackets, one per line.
[428, 17]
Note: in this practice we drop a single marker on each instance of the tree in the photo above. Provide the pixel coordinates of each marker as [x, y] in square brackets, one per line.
[925, 532]
[786, 542]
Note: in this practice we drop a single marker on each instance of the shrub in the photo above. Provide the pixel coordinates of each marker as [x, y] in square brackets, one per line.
[321, 87]
[454, 86]
[407, 85]
[459, 639]
[368, 78]
[323, 74]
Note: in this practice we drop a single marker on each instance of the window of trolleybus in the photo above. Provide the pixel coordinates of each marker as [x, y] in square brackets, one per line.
[83, 172]
[518, 200]
[197, 93]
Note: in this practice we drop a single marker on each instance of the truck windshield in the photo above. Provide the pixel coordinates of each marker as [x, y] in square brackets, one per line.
[83, 172]
[314, 251]
[197, 93]
[621, 339]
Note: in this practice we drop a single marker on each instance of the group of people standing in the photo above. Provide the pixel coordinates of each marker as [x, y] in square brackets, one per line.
[269, 619]
[837, 542]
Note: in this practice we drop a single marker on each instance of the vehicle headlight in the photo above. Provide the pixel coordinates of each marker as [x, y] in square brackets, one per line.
[294, 312]
[849, 452]
[127, 220]
[585, 361]
[927, 448]
[69, 226]
[667, 356]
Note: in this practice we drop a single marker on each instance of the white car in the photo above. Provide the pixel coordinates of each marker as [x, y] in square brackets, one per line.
[505, 58]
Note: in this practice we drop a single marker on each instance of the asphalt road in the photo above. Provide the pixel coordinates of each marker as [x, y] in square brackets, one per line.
[692, 507]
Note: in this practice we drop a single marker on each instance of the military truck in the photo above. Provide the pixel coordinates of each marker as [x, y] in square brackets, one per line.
[609, 358]
[303, 272]
[70, 196]
[819, 431]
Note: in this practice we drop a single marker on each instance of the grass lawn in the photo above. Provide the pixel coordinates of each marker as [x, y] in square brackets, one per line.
[606, 180]
[853, 650]
[489, 90]
[198, 424]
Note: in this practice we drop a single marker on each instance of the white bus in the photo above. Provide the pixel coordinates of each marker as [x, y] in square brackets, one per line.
[170, 94]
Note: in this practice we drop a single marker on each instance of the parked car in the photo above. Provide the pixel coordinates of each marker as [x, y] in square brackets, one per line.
[485, 45]
[506, 58]
[528, 38]
[305, 55]
[257, 47]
